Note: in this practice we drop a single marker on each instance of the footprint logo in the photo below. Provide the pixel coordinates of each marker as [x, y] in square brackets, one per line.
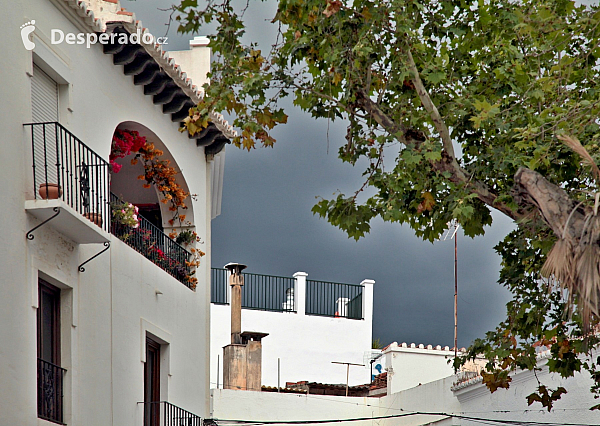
[26, 29]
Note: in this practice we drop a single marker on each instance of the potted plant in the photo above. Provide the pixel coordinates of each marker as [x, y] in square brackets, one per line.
[94, 217]
[50, 191]
[186, 237]
[125, 213]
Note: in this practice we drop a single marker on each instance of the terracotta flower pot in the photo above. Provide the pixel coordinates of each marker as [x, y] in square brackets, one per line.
[50, 191]
[94, 217]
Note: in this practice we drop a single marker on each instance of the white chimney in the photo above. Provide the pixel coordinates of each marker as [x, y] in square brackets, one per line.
[196, 61]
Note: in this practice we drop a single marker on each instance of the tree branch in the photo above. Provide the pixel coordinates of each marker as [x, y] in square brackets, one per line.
[447, 164]
[375, 112]
[429, 106]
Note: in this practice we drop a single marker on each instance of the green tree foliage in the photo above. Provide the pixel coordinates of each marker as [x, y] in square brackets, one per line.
[471, 99]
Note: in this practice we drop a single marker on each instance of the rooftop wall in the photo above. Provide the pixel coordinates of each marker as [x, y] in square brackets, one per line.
[305, 344]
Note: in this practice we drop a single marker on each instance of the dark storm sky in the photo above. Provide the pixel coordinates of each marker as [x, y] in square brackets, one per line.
[267, 224]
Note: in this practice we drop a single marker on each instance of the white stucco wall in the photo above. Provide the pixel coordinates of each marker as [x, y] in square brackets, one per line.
[433, 397]
[107, 309]
[471, 404]
[511, 404]
[305, 344]
[412, 365]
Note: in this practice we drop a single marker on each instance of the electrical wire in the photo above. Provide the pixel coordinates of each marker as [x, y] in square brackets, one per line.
[481, 420]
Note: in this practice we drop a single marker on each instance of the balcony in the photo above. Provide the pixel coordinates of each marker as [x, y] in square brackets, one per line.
[155, 246]
[71, 190]
[50, 391]
[70, 184]
[166, 414]
[280, 294]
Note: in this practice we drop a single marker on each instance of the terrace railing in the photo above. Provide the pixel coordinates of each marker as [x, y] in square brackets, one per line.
[268, 293]
[155, 245]
[63, 164]
[50, 391]
[334, 299]
[166, 414]
[219, 286]
[261, 292]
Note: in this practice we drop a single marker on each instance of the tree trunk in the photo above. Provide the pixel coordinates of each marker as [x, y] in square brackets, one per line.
[555, 205]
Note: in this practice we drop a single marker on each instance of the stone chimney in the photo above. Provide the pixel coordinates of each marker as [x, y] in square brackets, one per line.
[242, 359]
[196, 61]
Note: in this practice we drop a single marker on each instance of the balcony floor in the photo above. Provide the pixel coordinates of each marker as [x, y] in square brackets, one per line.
[69, 222]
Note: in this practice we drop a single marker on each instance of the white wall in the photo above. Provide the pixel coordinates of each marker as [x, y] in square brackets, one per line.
[473, 404]
[412, 365]
[305, 344]
[107, 309]
[263, 406]
[511, 404]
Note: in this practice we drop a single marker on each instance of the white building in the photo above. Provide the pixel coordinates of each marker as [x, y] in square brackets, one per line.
[408, 366]
[452, 400]
[88, 335]
[310, 324]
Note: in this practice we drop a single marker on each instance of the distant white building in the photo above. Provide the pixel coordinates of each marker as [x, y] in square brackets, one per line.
[100, 322]
[413, 365]
[448, 400]
[310, 325]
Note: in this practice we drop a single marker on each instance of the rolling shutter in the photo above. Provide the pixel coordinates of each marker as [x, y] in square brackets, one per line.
[44, 108]
[44, 97]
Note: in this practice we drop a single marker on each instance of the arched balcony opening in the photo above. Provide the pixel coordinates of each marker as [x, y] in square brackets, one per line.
[144, 212]
[150, 201]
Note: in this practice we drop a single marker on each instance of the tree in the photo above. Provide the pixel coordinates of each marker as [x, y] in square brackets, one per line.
[481, 103]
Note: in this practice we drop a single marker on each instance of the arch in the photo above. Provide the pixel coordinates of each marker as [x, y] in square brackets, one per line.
[126, 184]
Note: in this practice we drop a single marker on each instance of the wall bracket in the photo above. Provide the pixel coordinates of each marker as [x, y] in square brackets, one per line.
[29, 234]
[106, 244]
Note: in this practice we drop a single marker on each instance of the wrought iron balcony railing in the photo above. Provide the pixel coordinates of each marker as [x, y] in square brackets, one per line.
[273, 293]
[67, 169]
[155, 245]
[334, 299]
[166, 414]
[261, 292]
[50, 391]
[218, 286]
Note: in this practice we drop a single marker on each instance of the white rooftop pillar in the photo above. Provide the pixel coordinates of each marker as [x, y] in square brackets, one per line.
[300, 292]
[368, 299]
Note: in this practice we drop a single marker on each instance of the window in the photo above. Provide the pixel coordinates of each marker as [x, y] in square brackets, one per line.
[49, 374]
[152, 383]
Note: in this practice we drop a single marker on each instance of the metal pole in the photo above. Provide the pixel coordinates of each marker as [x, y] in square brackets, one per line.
[278, 374]
[347, 377]
[218, 368]
[455, 296]
[347, 364]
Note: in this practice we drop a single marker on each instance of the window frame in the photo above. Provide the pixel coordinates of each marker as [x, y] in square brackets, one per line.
[46, 287]
[152, 380]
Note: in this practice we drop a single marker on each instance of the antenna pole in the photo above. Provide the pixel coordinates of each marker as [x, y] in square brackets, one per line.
[455, 295]
[347, 377]
[347, 364]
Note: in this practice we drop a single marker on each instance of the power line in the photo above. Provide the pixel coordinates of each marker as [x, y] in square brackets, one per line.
[418, 413]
